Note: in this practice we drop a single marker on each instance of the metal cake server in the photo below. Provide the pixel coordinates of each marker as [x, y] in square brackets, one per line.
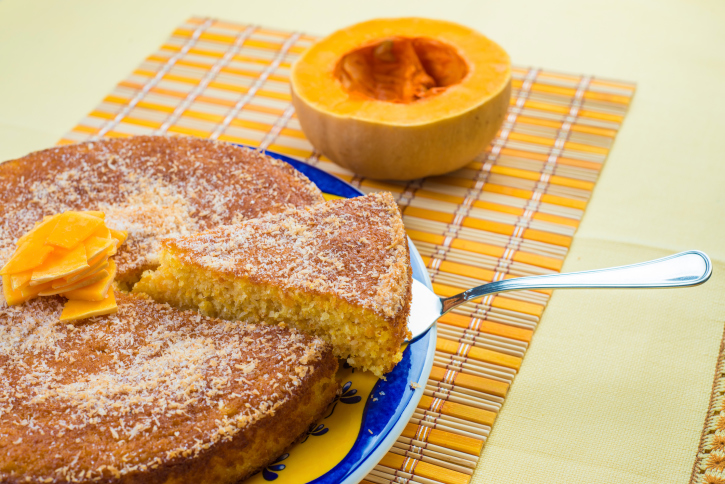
[689, 268]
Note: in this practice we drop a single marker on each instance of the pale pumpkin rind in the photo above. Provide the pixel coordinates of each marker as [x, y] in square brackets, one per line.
[402, 141]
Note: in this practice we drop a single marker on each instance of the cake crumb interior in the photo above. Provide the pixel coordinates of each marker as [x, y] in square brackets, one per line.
[363, 340]
[338, 270]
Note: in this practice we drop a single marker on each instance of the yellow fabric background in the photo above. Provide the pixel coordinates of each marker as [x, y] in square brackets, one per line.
[616, 383]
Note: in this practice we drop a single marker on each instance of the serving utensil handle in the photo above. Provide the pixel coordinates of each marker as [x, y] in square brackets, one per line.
[689, 268]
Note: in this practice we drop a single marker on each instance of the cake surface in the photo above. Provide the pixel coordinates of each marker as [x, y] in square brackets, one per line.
[150, 186]
[151, 394]
[98, 401]
[339, 270]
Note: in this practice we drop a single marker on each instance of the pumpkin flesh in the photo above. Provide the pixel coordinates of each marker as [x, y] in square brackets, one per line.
[402, 98]
[400, 69]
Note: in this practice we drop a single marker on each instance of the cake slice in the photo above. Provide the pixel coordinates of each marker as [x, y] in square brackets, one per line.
[339, 270]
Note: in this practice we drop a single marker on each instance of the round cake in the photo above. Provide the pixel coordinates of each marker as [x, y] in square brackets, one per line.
[150, 394]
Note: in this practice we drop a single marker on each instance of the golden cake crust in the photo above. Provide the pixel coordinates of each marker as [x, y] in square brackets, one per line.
[151, 394]
[150, 186]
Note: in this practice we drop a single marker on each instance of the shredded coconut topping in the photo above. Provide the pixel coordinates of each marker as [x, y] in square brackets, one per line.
[114, 390]
[150, 186]
[355, 249]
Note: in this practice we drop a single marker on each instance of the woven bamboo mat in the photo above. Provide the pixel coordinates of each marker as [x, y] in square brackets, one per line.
[511, 212]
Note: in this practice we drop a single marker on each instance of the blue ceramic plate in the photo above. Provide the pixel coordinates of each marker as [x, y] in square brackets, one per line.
[364, 422]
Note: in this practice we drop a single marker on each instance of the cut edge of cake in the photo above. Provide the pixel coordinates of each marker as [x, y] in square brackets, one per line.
[367, 328]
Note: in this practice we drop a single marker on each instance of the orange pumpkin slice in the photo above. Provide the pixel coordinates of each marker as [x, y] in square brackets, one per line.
[96, 291]
[402, 98]
[29, 292]
[94, 213]
[114, 248]
[104, 255]
[41, 230]
[101, 264]
[31, 254]
[77, 309]
[120, 235]
[72, 229]
[97, 245]
[92, 279]
[66, 254]
[12, 296]
[19, 296]
[21, 279]
[63, 263]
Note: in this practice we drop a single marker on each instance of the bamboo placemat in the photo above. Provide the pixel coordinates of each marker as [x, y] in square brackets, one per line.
[511, 212]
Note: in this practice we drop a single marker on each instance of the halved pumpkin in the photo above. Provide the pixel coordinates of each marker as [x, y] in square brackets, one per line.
[402, 98]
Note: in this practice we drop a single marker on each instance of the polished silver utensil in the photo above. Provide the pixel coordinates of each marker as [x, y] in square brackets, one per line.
[679, 270]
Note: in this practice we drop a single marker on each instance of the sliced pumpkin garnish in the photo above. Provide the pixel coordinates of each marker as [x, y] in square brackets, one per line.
[114, 248]
[30, 292]
[104, 255]
[12, 296]
[96, 291]
[20, 279]
[66, 254]
[120, 235]
[77, 309]
[28, 256]
[96, 245]
[63, 263]
[102, 232]
[32, 251]
[42, 229]
[87, 281]
[72, 229]
[98, 266]
[18, 296]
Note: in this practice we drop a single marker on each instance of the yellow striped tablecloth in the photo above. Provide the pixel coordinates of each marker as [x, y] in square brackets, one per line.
[511, 212]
